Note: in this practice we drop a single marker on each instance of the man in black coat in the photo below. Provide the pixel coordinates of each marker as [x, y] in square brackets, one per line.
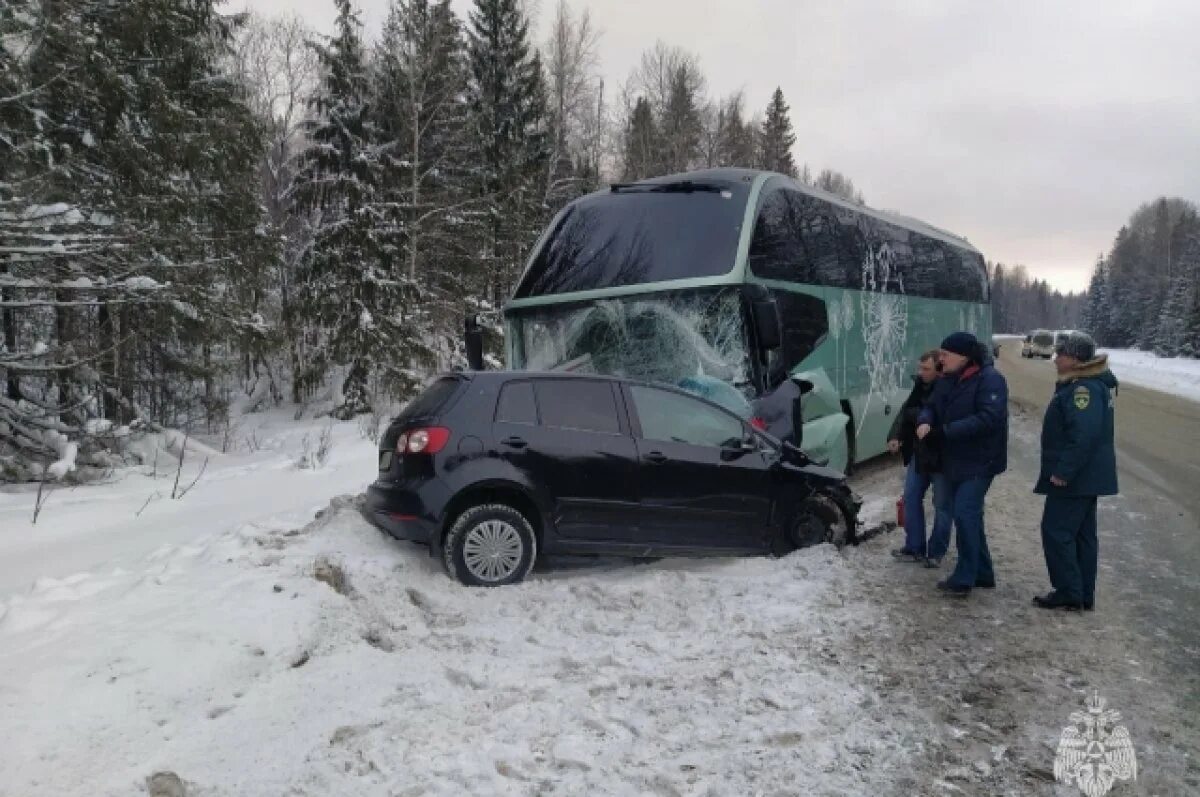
[920, 461]
[967, 417]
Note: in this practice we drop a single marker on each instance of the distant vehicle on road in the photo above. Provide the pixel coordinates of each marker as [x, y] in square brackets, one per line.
[1039, 343]
[493, 469]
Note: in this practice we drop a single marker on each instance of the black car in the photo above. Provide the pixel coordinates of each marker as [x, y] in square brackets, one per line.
[493, 469]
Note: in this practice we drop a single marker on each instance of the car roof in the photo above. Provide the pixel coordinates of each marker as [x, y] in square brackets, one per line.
[513, 376]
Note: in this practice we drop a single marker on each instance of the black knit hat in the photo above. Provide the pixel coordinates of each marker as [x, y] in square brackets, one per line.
[963, 343]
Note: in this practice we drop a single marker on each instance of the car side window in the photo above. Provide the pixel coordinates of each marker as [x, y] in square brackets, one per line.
[580, 404]
[516, 404]
[671, 417]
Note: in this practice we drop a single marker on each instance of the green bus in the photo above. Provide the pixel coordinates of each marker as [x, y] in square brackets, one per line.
[679, 279]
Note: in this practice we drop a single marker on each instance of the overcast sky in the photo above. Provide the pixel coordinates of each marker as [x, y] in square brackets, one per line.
[1032, 127]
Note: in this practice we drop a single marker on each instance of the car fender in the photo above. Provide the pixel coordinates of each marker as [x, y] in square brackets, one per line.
[490, 472]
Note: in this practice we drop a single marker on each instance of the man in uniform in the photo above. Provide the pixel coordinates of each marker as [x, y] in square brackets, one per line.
[1078, 465]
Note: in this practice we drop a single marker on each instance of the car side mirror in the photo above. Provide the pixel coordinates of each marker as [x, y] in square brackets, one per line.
[473, 341]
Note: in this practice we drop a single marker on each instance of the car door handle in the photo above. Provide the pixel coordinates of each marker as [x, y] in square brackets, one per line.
[514, 442]
[657, 457]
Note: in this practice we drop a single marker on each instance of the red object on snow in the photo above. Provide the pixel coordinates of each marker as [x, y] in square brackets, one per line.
[900, 511]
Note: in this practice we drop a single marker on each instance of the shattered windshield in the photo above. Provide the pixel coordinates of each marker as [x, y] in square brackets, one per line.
[696, 341]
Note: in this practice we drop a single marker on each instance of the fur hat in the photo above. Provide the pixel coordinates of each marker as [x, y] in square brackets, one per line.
[1078, 345]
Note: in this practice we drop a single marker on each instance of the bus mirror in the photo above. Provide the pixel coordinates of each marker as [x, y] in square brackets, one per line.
[766, 324]
[764, 312]
[473, 340]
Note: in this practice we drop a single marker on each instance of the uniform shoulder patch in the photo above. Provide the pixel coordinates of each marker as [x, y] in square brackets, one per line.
[1083, 398]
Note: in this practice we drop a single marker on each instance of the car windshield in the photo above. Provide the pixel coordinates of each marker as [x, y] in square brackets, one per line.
[639, 234]
[694, 340]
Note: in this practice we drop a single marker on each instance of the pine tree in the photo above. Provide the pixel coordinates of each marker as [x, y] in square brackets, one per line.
[1171, 334]
[777, 138]
[737, 142]
[421, 118]
[137, 202]
[680, 125]
[839, 184]
[353, 292]
[641, 143]
[507, 98]
[1189, 269]
[1094, 320]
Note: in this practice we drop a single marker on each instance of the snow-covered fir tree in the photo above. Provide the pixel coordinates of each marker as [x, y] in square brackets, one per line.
[354, 292]
[507, 98]
[130, 219]
[433, 209]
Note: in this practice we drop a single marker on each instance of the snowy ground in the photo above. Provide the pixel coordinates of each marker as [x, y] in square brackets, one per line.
[229, 638]
[235, 640]
[1179, 376]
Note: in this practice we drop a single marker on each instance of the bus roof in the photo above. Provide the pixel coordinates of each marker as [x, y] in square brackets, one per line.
[748, 175]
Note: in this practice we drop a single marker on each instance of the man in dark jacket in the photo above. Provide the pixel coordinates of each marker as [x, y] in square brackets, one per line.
[1079, 463]
[968, 416]
[921, 472]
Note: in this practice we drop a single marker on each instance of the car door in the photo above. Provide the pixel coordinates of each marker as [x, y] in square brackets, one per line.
[695, 488]
[570, 437]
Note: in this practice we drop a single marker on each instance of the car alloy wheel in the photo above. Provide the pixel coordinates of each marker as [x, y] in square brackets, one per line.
[490, 545]
[492, 550]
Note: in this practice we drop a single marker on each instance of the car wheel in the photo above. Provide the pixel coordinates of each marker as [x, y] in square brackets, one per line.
[820, 519]
[490, 545]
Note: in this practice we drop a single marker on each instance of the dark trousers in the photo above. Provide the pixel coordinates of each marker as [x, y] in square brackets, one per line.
[974, 564]
[1071, 546]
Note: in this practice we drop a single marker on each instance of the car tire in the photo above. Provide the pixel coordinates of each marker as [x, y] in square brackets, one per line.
[490, 545]
[819, 519]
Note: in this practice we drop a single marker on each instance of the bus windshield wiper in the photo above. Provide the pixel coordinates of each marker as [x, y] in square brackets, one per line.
[680, 187]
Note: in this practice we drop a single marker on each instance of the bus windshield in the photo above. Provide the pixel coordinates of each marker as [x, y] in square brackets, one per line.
[695, 340]
[640, 234]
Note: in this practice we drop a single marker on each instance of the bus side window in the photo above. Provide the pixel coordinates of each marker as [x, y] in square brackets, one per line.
[775, 248]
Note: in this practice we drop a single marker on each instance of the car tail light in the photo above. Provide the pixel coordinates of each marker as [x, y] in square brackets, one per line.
[428, 440]
[759, 424]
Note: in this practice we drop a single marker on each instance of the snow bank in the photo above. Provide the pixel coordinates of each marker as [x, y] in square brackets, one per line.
[1179, 376]
[230, 663]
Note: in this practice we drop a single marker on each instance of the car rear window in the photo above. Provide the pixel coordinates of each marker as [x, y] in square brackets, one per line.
[516, 404]
[580, 404]
[432, 399]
